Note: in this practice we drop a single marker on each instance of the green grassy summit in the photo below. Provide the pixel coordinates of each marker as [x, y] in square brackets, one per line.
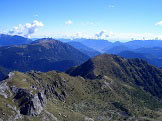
[132, 71]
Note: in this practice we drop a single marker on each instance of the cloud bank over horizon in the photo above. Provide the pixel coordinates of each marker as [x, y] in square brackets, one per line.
[69, 22]
[30, 30]
[111, 36]
[26, 30]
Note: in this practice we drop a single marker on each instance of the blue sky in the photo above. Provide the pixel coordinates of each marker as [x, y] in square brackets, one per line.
[107, 19]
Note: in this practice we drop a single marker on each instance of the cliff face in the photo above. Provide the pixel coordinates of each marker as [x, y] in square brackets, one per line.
[24, 95]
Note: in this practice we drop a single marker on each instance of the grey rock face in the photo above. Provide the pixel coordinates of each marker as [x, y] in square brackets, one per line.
[29, 104]
[3, 89]
[88, 119]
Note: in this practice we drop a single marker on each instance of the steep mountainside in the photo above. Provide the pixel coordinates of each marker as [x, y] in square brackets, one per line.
[120, 90]
[41, 55]
[6, 40]
[133, 71]
[84, 49]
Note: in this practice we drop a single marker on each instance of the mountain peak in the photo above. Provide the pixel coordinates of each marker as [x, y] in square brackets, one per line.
[47, 42]
[134, 71]
[41, 55]
[97, 66]
[7, 40]
[105, 64]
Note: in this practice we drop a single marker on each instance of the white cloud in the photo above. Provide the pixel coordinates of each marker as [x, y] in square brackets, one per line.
[69, 22]
[159, 23]
[116, 36]
[112, 36]
[36, 15]
[111, 6]
[102, 34]
[27, 29]
[136, 36]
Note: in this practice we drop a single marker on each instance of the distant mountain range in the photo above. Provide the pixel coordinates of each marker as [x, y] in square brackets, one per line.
[84, 49]
[106, 46]
[155, 61]
[136, 44]
[98, 45]
[117, 49]
[41, 55]
[149, 50]
[103, 87]
[6, 40]
[151, 55]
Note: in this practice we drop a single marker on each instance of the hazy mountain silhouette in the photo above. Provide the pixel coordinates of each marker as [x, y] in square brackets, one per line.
[6, 40]
[84, 49]
[41, 55]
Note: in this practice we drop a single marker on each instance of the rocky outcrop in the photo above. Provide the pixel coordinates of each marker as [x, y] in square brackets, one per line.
[88, 119]
[32, 100]
[4, 90]
[30, 104]
[54, 96]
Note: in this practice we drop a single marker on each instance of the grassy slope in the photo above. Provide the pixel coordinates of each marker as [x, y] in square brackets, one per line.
[101, 99]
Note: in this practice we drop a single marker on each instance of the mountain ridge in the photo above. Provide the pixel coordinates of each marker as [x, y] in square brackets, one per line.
[122, 69]
[6, 40]
[110, 95]
[58, 96]
[41, 55]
